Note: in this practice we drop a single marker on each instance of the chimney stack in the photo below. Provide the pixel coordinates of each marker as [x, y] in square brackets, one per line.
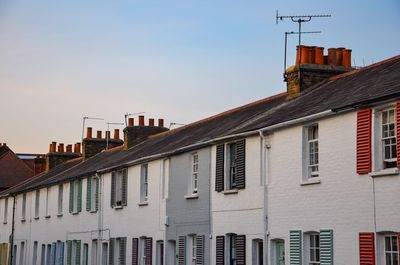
[92, 146]
[56, 157]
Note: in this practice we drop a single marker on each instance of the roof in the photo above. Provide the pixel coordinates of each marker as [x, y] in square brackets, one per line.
[375, 82]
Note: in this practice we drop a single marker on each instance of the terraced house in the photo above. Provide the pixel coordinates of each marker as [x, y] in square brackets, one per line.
[308, 176]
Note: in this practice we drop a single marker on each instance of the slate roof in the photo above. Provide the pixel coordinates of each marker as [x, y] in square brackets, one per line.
[380, 81]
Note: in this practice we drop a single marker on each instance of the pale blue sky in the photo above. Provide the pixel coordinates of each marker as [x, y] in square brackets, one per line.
[178, 60]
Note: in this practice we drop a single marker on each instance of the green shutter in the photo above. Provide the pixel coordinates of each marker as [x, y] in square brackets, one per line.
[124, 186]
[69, 252]
[295, 247]
[113, 188]
[71, 197]
[80, 195]
[88, 194]
[326, 247]
[78, 252]
[97, 193]
[111, 252]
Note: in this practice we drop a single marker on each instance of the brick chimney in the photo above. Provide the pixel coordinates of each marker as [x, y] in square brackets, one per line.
[56, 156]
[92, 146]
[39, 164]
[312, 67]
[134, 134]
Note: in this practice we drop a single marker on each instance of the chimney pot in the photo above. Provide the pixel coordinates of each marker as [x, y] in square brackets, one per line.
[297, 55]
[53, 146]
[151, 122]
[160, 122]
[347, 58]
[108, 135]
[332, 56]
[61, 148]
[69, 148]
[319, 55]
[339, 56]
[311, 54]
[130, 122]
[89, 132]
[141, 120]
[116, 134]
[98, 134]
[77, 148]
[304, 54]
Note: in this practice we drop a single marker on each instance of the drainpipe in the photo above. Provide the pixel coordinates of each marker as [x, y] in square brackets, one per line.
[12, 233]
[100, 219]
[264, 157]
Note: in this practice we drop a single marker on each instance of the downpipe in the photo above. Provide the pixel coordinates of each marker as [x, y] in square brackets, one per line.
[263, 181]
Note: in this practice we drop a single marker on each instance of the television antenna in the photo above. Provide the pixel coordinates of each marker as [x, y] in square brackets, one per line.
[108, 129]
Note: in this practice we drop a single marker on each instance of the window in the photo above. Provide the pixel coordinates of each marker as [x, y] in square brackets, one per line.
[92, 191]
[195, 173]
[5, 210]
[165, 178]
[142, 251]
[391, 250]
[388, 138]
[74, 252]
[119, 188]
[43, 255]
[144, 183]
[160, 253]
[34, 255]
[23, 214]
[313, 258]
[48, 254]
[59, 255]
[192, 250]
[60, 199]
[14, 260]
[312, 151]
[47, 202]
[258, 252]
[232, 249]
[37, 202]
[104, 254]
[22, 254]
[85, 257]
[118, 251]
[232, 163]
[75, 196]
[94, 252]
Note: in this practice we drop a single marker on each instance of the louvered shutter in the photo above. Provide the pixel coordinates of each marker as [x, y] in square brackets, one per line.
[219, 168]
[78, 252]
[54, 257]
[149, 251]
[111, 252]
[135, 256]
[80, 195]
[367, 248]
[122, 251]
[113, 186]
[1, 254]
[97, 193]
[69, 252]
[240, 249]
[61, 262]
[199, 250]
[220, 250]
[71, 196]
[364, 156]
[124, 186]
[241, 164]
[182, 250]
[88, 194]
[398, 136]
[326, 247]
[295, 247]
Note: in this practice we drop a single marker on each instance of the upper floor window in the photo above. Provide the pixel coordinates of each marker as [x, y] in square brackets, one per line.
[75, 196]
[195, 173]
[144, 183]
[5, 210]
[313, 249]
[232, 165]
[391, 250]
[119, 186]
[388, 138]
[47, 202]
[312, 151]
[92, 193]
[23, 214]
[60, 199]
[37, 203]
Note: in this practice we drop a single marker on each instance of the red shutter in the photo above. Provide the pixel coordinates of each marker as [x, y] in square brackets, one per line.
[367, 249]
[364, 157]
[398, 132]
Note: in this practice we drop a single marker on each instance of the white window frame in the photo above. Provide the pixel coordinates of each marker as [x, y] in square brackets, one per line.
[118, 187]
[392, 250]
[165, 178]
[37, 203]
[60, 199]
[85, 254]
[144, 183]
[47, 202]
[5, 217]
[93, 199]
[312, 151]
[194, 173]
[23, 213]
[192, 249]
[104, 253]
[310, 246]
[22, 254]
[35, 252]
[142, 251]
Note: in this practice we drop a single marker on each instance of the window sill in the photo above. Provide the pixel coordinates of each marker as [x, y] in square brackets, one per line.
[118, 207]
[311, 181]
[145, 203]
[36, 218]
[23, 220]
[74, 213]
[95, 211]
[228, 192]
[4, 223]
[192, 196]
[385, 172]
[47, 216]
[59, 215]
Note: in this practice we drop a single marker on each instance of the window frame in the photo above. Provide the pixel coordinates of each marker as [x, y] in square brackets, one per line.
[144, 183]
[75, 198]
[393, 250]
[310, 237]
[37, 204]
[60, 199]
[93, 193]
[194, 183]
[232, 249]
[192, 249]
[312, 149]
[47, 202]
[23, 210]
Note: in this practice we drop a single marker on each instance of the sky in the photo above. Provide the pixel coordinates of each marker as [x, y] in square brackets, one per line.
[178, 60]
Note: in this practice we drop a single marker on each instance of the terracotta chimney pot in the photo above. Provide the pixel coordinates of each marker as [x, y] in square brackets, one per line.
[160, 122]
[116, 134]
[61, 148]
[99, 134]
[297, 55]
[77, 148]
[304, 54]
[130, 122]
[89, 132]
[69, 148]
[311, 54]
[332, 56]
[347, 58]
[339, 56]
[319, 55]
[151, 122]
[141, 120]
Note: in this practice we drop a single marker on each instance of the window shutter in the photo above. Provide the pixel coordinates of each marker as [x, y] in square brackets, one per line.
[122, 251]
[88, 194]
[220, 250]
[219, 168]
[78, 252]
[80, 195]
[71, 197]
[97, 194]
[111, 252]
[54, 253]
[61, 262]
[364, 156]
[295, 247]
[367, 248]
[398, 135]
[240, 249]
[199, 250]
[326, 247]
[69, 252]
[1, 253]
[124, 186]
[135, 254]
[398, 241]
[149, 251]
[241, 164]
[182, 250]
[113, 184]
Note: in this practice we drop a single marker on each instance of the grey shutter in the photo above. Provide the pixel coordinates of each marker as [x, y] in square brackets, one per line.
[97, 193]
[80, 196]
[122, 251]
[78, 252]
[182, 250]
[220, 250]
[71, 196]
[149, 251]
[135, 254]
[111, 252]
[88, 194]
[219, 168]
[113, 184]
[240, 249]
[241, 164]
[69, 252]
[124, 186]
[326, 247]
[295, 247]
[199, 250]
